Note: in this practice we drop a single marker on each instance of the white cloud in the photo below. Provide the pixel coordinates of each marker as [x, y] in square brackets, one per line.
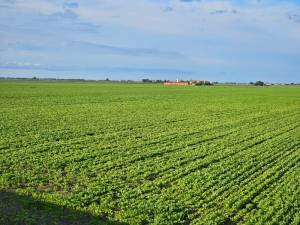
[188, 19]
[37, 6]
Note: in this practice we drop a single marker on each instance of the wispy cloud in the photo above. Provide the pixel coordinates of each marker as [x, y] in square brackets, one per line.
[20, 65]
[71, 5]
[107, 69]
[89, 47]
[294, 17]
[187, 1]
[106, 49]
[7, 3]
[223, 12]
[67, 14]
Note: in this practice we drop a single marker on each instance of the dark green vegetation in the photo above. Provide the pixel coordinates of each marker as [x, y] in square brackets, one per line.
[148, 154]
[18, 209]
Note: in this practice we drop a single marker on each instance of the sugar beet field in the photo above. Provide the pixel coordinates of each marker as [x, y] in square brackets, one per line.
[105, 153]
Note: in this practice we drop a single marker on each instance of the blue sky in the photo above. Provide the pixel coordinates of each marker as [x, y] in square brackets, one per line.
[217, 40]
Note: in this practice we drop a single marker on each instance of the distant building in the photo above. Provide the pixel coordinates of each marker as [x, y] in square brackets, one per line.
[179, 83]
[185, 83]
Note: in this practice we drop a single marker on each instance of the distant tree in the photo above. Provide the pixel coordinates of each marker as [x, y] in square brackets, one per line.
[251, 83]
[107, 79]
[259, 83]
[146, 81]
[34, 78]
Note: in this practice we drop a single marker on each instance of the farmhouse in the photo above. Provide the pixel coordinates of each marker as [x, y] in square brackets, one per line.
[181, 83]
[185, 83]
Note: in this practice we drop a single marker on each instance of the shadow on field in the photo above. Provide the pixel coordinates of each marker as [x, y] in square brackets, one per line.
[23, 210]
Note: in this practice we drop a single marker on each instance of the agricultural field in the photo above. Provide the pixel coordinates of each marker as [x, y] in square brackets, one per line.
[109, 153]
